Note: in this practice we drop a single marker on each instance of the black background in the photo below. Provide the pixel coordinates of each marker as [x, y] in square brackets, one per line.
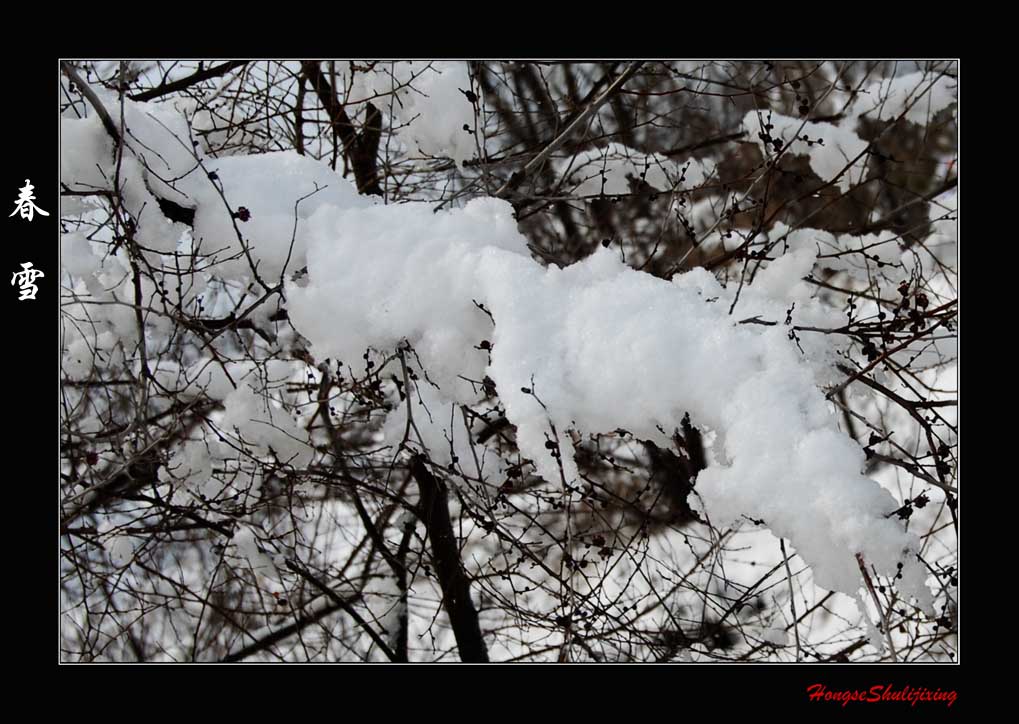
[32, 358]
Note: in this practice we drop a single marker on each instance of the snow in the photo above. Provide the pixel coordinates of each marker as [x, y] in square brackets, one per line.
[923, 94]
[264, 428]
[383, 275]
[188, 463]
[157, 161]
[775, 637]
[617, 164]
[119, 547]
[430, 107]
[839, 145]
[160, 161]
[783, 277]
[831, 147]
[246, 542]
[275, 188]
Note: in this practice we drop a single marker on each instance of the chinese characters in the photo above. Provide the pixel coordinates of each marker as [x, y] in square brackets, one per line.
[26, 281]
[26, 203]
[25, 206]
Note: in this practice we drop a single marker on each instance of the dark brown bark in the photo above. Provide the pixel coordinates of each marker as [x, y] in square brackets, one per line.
[361, 148]
[178, 85]
[456, 595]
[299, 568]
[302, 621]
[677, 471]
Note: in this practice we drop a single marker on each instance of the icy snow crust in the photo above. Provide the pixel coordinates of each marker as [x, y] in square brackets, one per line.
[603, 346]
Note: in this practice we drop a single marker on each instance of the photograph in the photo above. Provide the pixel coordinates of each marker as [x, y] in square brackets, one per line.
[538, 361]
